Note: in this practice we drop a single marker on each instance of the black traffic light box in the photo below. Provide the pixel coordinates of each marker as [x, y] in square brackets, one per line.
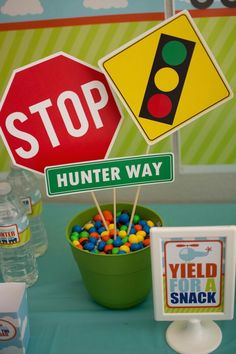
[173, 56]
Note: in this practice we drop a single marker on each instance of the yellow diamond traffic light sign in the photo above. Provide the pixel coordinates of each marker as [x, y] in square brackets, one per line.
[167, 77]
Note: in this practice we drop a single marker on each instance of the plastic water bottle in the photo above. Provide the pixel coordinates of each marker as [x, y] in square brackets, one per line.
[26, 186]
[18, 263]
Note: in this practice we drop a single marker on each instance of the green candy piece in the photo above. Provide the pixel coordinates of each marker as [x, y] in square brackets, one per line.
[124, 227]
[136, 219]
[109, 242]
[74, 236]
[115, 250]
[84, 234]
[125, 239]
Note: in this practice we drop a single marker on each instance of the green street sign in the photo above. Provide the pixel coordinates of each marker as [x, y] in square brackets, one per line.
[111, 173]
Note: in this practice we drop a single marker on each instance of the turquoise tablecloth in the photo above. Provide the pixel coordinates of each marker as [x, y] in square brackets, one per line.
[64, 319]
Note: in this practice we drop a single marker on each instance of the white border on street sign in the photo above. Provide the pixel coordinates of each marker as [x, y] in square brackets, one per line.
[107, 161]
[14, 72]
[142, 36]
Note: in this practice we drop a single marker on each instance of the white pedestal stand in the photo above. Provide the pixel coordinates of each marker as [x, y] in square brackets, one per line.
[194, 336]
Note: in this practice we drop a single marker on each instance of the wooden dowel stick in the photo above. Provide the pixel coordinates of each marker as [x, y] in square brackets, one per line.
[134, 208]
[136, 199]
[169, 11]
[114, 211]
[99, 209]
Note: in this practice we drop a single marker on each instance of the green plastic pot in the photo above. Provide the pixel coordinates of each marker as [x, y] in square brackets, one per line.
[115, 281]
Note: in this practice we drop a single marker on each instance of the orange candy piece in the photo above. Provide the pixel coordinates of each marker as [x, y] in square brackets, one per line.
[97, 218]
[82, 239]
[112, 232]
[94, 234]
[146, 242]
[79, 246]
[138, 227]
[105, 238]
[108, 248]
[108, 215]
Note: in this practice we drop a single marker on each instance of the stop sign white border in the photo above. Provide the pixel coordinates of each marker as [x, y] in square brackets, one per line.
[60, 53]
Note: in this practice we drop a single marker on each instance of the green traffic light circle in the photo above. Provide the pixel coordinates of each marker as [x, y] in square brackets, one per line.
[174, 53]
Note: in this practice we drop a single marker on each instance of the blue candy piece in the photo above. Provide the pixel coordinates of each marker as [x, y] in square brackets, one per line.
[98, 224]
[117, 242]
[123, 218]
[146, 228]
[141, 245]
[132, 231]
[142, 223]
[121, 252]
[92, 229]
[101, 245]
[135, 247]
[76, 228]
[89, 246]
[127, 224]
[93, 240]
[101, 229]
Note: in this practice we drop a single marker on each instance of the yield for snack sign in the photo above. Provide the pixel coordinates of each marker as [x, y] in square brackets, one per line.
[58, 110]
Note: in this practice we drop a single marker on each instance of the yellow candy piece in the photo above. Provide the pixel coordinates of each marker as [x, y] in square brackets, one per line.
[140, 238]
[88, 226]
[111, 227]
[141, 233]
[122, 233]
[75, 243]
[125, 248]
[105, 233]
[150, 223]
[133, 238]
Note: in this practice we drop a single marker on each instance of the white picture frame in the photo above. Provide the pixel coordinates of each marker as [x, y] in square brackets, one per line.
[221, 241]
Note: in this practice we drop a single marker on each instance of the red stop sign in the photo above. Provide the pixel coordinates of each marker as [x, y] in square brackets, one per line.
[56, 111]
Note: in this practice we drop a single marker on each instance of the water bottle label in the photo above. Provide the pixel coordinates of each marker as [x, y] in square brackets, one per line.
[11, 237]
[32, 209]
[27, 204]
[33, 204]
[15, 235]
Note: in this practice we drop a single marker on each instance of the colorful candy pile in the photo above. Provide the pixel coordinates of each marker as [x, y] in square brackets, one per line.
[95, 238]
